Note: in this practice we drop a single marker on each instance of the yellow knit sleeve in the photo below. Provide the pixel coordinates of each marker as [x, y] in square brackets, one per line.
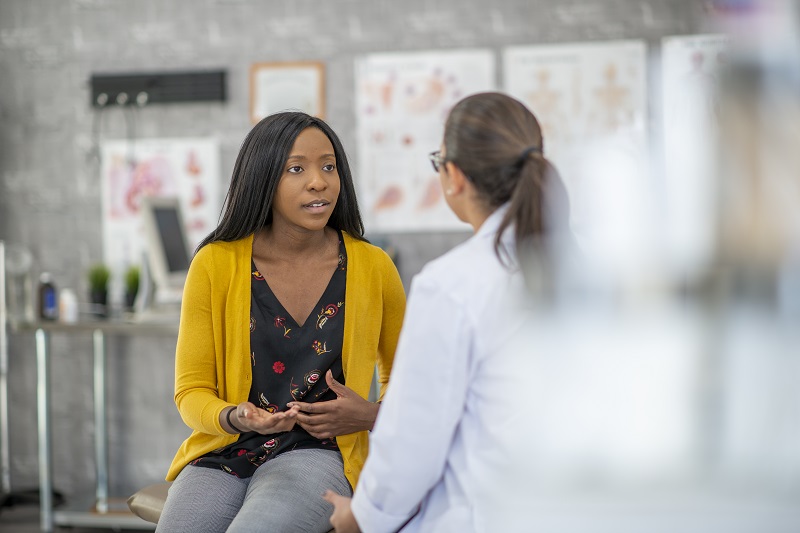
[196, 388]
[394, 306]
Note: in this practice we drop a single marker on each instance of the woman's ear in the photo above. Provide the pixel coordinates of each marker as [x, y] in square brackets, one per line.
[458, 179]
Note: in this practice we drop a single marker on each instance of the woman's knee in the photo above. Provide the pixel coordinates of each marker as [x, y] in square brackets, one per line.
[202, 499]
[285, 493]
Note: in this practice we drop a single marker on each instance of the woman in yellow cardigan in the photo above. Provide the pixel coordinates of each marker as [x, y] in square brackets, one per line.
[286, 312]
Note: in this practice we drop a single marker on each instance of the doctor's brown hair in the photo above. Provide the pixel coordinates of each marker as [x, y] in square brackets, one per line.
[497, 142]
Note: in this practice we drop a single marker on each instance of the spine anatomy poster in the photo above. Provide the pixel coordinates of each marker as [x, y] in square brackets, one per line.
[402, 101]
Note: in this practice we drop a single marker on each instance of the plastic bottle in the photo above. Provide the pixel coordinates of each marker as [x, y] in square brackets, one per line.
[48, 298]
[67, 306]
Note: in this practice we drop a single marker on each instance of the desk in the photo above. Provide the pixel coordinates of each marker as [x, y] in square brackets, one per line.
[100, 514]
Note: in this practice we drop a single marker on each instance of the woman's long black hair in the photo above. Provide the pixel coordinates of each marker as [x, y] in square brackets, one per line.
[258, 169]
[497, 142]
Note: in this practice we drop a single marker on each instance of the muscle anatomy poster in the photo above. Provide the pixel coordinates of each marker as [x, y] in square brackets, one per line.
[402, 101]
[591, 101]
[580, 92]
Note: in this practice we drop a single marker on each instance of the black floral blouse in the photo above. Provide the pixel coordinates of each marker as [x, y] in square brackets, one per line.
[289, 364]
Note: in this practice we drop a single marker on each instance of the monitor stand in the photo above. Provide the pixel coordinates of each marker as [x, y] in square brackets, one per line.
[156, 304]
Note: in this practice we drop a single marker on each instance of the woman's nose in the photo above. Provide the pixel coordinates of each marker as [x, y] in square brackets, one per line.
[316, 181]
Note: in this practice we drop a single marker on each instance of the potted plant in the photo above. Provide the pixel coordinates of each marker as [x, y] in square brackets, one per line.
[99, 275]
[131, 286]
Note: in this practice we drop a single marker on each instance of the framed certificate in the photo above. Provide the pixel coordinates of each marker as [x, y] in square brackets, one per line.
[298, 86]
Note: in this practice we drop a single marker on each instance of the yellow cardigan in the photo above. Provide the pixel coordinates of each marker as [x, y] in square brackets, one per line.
[212, 360]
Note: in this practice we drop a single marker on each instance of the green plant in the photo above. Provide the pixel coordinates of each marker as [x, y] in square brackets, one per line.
[132, 280]
[98, 278]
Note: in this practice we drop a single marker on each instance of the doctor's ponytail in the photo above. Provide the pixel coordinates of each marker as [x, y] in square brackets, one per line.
[497, 142]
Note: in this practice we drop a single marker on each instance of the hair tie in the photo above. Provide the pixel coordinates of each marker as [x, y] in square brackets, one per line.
[528, 151]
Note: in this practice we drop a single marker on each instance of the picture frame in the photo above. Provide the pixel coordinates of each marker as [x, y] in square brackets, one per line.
[283, 86]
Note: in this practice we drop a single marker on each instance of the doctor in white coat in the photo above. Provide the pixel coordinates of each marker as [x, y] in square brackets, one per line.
[449, 408]
[449, 411]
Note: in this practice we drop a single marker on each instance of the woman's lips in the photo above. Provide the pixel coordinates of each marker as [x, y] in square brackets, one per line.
[317, 206]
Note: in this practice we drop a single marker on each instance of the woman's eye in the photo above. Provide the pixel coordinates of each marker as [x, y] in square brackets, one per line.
[330, 167]
[295, 169]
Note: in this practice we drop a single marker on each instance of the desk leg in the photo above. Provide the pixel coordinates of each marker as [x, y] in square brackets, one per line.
[100, 429]
[43, 407]
[5, 459]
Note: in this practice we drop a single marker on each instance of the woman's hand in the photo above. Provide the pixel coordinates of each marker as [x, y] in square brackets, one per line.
[342, 520]
[348, 413]
[248, 417]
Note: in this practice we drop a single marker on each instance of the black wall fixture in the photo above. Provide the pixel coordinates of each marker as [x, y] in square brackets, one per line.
[157, 88]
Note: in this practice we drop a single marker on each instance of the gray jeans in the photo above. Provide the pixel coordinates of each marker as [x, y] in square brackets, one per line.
[283, 496]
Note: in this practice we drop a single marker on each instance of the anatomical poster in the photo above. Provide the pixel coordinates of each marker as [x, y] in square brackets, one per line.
[580, 92]
[591, 102]
[188, 169]
[690, 66]
[402, 101]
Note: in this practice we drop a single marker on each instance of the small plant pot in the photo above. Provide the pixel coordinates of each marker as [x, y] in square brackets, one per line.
[130, 300]
[99, 301]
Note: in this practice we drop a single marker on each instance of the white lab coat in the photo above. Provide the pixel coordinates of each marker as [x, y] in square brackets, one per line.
[436, 440]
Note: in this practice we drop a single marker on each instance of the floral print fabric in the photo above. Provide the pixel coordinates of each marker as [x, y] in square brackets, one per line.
[289, 363]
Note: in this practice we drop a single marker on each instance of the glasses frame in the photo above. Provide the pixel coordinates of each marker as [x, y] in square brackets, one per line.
[437, 161]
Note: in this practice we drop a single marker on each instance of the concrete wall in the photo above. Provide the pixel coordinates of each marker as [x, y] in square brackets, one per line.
[49, 170]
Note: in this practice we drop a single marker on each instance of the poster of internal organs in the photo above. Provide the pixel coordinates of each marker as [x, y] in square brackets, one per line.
[589, 98]
[402, 101]
[185, 168]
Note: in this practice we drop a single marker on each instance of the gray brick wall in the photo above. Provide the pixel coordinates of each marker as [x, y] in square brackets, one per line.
[49, 173]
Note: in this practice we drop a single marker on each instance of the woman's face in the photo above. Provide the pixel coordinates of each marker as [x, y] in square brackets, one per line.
[454, 200]
[309, 186]
[444, 178]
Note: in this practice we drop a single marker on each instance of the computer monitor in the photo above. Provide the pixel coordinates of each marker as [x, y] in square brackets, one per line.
[167, 251]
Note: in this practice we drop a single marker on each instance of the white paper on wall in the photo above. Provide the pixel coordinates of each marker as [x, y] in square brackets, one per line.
[689, 67]
[580, 92]
[402, 101]
[185, 168]
[591, 102]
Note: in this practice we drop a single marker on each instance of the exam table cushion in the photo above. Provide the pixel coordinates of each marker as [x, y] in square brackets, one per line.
[149, 501]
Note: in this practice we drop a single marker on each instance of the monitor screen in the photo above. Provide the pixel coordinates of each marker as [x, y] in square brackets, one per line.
[168, 255]
[172, 238]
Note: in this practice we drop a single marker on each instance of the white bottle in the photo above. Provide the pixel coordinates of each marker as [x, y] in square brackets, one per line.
[67, 306]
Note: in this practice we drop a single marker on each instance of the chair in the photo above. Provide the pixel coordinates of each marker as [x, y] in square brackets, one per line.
[148, 502]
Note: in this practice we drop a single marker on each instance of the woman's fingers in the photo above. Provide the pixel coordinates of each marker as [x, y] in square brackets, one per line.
[264, 422]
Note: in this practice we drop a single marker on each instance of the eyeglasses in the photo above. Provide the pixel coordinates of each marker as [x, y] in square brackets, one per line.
[437, 160]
